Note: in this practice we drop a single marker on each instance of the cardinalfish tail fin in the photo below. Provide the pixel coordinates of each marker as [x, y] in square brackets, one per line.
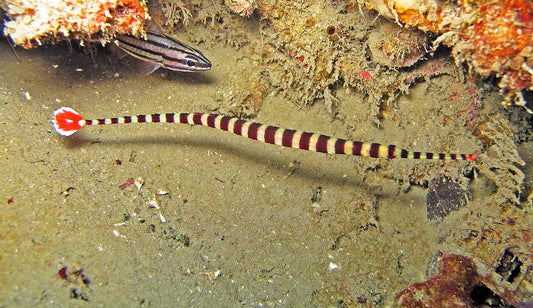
[67, 121]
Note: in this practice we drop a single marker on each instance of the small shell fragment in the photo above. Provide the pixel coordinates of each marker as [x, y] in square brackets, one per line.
[139, 182]
[161, 191]
[162, 218]
[153, 203]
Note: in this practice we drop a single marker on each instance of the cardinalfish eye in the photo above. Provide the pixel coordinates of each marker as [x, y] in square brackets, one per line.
[197, 61]
[191, 62]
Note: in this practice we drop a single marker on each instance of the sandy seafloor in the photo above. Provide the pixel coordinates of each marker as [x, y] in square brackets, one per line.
[256, 239]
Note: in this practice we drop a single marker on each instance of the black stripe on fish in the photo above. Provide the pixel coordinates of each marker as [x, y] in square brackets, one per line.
[164, 52]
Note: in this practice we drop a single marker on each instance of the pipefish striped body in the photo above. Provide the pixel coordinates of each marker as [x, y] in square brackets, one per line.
[67, 121]
[163, 51]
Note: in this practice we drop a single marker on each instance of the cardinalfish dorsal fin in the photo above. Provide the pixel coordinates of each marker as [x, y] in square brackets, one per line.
[162, 51]
[67, 121]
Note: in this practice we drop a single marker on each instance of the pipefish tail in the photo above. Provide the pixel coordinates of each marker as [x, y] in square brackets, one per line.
[67, 121]
[163, 51]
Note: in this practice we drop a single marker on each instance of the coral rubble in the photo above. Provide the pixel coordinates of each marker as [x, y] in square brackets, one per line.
[445, 196]
[401, 49]
[450, 288]
[241, 7]
[459, 284]
[34, 21]
[493, 37]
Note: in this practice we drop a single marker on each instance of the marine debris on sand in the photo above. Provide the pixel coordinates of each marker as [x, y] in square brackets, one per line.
[34, 22]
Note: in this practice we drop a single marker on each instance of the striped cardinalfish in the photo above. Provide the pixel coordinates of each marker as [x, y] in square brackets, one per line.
[162, 51]
[67, 121]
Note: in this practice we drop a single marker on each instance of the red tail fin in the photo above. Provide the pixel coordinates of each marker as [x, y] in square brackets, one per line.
[472, 157]
[66, 121]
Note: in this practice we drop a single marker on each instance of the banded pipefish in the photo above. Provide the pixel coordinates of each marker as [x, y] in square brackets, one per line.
[67, 121]
[163, 51]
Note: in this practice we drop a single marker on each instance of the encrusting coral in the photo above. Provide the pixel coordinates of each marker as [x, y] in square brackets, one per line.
[34, 21]
[241, 7]
[493, 37]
